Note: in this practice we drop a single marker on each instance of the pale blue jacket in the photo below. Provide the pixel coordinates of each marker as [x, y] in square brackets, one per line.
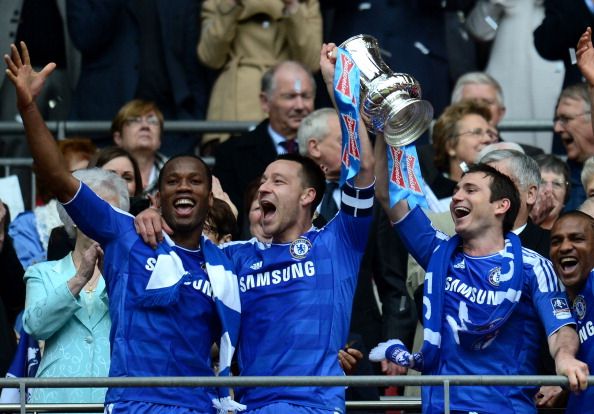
[76, 340]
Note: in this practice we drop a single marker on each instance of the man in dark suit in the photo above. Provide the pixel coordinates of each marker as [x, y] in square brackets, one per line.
[287, 96]
[144, 49]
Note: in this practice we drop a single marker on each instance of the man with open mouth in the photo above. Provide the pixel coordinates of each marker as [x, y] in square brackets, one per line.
[572, 244]
[485, 297]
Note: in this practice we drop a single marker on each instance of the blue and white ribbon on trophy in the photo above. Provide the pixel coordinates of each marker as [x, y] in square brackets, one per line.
[404, 176]
[346, 95]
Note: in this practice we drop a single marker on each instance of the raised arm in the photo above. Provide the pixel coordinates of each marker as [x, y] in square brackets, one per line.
[365, 177]
[48, 159]
[563, 345]
[400, 209]
[585, 62]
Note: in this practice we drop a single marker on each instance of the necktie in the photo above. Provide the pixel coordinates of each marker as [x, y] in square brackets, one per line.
[328, 209]
[289, 145]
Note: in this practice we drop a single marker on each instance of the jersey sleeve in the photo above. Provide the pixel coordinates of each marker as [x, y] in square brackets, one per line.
[354, 218]
[548, 295]
[419, 236]
[97, 218]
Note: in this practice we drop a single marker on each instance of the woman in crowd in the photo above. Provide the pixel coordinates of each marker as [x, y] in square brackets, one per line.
[459, 134]
[66, 306]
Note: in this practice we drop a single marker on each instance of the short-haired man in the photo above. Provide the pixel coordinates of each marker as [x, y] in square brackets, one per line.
[163, 309]
[319, 138]
[287, 96]
[298, 290]
[484, 296]
[572, 243]
[574, 124]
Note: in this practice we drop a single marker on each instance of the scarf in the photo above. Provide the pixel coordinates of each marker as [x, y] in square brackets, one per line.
[475, 336]
[163, 289]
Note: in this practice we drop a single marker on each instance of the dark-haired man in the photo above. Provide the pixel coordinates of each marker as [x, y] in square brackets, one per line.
[161, 302]
[572, 243]
[297, 292]
[484, 296]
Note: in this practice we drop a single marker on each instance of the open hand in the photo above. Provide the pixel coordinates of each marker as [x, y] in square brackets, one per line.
[27, 82]
[585, 56]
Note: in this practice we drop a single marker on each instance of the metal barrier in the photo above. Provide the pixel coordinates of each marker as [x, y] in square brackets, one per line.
[64, 128]
[61, 129]
[263, 381]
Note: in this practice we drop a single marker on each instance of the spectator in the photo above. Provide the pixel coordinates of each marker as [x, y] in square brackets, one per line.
[531, 87]
[587, 177]
[484, 206]
[319, 138]
[482, 86]
[245, 38]
[137, 128]
[139, 49]
[30, 230]
[287, 96]
[525, 174]
[67, 306]
[572, 243]
[555, 185]
[121, 162]
[573, 124]
[458, 136]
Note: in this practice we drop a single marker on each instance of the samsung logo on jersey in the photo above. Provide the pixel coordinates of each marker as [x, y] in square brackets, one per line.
[586, 332]
[284, 275]
[201, 285]
[475, 295]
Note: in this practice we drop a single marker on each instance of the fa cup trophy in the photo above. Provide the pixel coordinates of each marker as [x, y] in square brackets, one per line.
[391, 102]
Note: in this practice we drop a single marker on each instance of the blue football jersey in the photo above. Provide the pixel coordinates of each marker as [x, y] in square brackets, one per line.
[296, 301]
[473, 289]
[173, 340]
[583, 310]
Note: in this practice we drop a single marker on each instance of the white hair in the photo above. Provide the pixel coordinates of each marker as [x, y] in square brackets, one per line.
[106, 184]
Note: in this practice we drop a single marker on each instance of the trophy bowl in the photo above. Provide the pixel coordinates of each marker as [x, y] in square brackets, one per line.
[391, 102]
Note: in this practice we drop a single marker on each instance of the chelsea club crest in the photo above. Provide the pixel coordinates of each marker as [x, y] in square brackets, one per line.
[579, 306]
[299, 248]
[495, 276]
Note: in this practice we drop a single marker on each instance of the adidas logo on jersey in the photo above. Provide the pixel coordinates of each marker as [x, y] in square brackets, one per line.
[256, 266]
[460, 265]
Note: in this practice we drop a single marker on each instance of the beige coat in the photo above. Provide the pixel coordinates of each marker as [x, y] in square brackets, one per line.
[244, 41]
